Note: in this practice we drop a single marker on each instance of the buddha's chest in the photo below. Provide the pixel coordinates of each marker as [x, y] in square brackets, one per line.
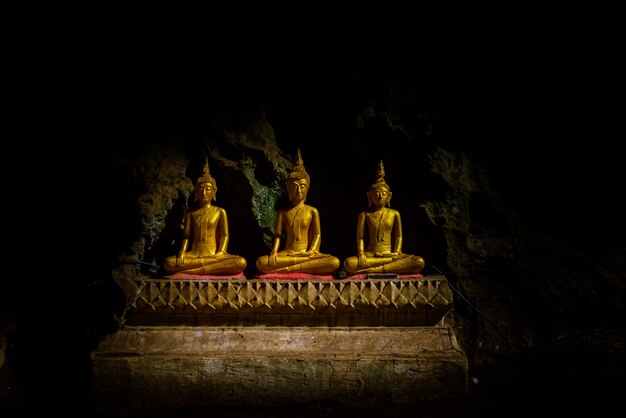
[299, 219]
[379, 221]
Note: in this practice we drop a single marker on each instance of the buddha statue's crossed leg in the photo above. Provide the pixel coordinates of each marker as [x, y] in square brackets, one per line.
[317, 265]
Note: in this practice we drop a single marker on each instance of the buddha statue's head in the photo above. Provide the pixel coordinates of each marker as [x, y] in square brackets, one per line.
[379, 192]
[298, 181]
[206, 186]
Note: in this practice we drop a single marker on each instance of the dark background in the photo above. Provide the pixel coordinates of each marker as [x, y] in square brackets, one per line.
[545, 117]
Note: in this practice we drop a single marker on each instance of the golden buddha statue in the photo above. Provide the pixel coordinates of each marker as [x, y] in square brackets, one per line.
[300, 225]
[207, 229]
[383, 253]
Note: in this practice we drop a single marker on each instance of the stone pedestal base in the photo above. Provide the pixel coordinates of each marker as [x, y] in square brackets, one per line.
[160, 367]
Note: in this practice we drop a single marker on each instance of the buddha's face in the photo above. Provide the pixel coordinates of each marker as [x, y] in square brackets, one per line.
[379, 196]
[205, 193]
[297, 190]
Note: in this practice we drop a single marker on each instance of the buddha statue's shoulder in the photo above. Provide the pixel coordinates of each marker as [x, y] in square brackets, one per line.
[390, 211]
[311, 208]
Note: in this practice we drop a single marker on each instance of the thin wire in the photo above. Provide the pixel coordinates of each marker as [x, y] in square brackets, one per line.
[475, 309]
[138, 262]
[154, 268]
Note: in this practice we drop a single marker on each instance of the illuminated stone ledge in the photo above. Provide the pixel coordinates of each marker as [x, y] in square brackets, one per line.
[165, 368]
[280, 342]
[367, 302]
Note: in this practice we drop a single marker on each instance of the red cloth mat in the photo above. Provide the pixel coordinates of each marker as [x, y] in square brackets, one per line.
[378, 276]
[183, 276]
[294, 276]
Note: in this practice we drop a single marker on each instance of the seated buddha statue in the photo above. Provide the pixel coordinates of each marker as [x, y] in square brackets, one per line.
[298, 228]
[379, 236]
[206, 228]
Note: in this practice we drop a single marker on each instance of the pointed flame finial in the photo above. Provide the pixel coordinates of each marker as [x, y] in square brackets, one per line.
[380, 173]
[206, 174]
[298, 171]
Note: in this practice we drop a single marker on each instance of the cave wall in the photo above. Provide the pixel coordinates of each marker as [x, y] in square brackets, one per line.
[503, 164]
[482, 163]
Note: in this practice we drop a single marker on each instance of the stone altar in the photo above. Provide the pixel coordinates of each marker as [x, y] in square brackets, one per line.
[263, 343]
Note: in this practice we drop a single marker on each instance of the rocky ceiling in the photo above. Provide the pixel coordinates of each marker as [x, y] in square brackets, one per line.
[505, 164]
